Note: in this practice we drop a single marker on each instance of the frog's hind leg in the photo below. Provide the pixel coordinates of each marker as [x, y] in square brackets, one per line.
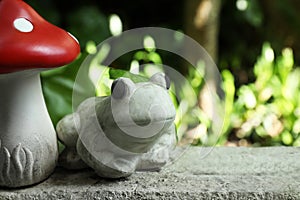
[67, 133]
[67, 130]
[70, 159]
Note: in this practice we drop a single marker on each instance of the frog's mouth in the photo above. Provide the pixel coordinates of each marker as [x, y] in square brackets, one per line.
[146, 122]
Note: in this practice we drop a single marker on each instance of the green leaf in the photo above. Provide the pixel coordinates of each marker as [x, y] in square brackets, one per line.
[248, 96]
[290, 88]
[287, 138]
[285, 63]
[117, 73]
[58, 87]
[58, 98]
[229, 89]
[264, 67]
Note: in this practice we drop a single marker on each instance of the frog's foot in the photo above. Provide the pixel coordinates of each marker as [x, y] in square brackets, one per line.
[108, 164]
[160, 154]
[67, 134]
[69, 159]
[119, 167]
[67, 130]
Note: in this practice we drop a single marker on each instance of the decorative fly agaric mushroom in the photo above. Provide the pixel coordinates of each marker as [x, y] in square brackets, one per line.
[28, 45]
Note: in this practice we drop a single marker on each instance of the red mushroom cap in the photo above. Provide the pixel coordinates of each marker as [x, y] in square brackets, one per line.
[28, 41]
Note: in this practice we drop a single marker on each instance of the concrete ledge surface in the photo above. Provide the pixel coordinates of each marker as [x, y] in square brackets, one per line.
[199, 173]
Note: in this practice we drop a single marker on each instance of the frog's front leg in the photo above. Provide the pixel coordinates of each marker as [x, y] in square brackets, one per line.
[160, 154]
[67, 134]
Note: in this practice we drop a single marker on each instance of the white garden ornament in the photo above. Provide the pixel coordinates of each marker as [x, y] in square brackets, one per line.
[133, 129]
[28, 45]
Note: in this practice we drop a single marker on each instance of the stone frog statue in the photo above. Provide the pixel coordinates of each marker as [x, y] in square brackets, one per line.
[133, 129]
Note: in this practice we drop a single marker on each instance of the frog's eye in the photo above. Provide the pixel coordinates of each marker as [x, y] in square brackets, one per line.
[121, 88]
[161, 79]
[168, 82]
[118, 89]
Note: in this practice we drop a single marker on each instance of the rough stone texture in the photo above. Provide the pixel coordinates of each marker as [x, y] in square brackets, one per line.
[200, 173]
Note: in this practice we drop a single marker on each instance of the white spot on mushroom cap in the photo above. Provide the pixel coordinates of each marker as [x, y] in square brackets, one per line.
[23, 25]
[73, 37]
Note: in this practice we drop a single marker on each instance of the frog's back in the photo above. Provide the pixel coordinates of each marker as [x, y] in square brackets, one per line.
[89, 103]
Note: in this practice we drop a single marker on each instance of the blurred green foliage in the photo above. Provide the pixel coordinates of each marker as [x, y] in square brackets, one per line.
[244, 27]
[261, 109]
[267, 111]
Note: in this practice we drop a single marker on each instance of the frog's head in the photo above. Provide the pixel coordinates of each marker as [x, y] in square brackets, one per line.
[143, 111]
[144, 103]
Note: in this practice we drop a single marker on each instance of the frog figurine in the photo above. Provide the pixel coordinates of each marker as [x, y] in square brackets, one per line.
[133, 129]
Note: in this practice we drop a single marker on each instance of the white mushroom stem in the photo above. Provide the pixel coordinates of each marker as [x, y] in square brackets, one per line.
[24, 121]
